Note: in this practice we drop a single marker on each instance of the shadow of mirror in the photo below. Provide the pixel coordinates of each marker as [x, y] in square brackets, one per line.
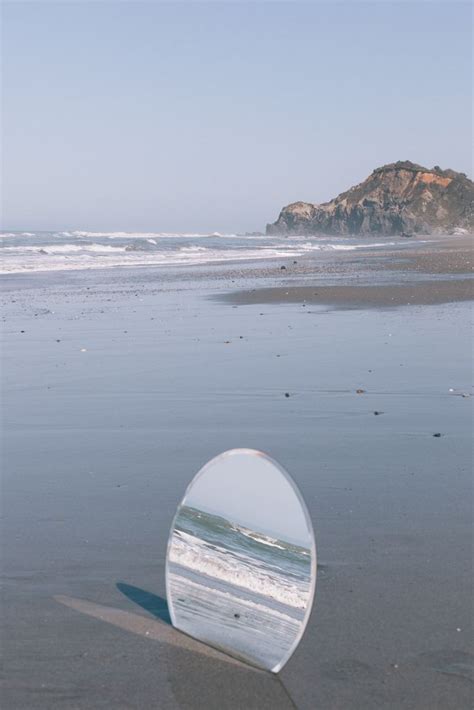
[196, 675]
[155, 605]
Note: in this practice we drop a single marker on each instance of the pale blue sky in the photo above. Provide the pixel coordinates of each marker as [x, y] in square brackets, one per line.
[246, 488]
[211, 116]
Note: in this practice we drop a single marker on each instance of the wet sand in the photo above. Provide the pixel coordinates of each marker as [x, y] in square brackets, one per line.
[423, 293]
[376, 278]
[118, 386]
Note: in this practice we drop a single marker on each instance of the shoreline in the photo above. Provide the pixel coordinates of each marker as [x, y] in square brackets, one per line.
[430, 254]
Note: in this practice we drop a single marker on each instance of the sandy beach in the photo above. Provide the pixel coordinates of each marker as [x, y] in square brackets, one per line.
[119, 384]
[434, 272]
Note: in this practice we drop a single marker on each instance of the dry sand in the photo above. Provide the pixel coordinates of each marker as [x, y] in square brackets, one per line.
[422, 293]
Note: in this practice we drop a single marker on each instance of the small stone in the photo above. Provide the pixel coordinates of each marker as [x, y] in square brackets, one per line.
[437, 435]
[287, 394]
[283, 268]
[237, 616]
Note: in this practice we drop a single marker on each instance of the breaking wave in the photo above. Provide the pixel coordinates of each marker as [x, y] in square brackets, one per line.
[60, 251]
[260, 563]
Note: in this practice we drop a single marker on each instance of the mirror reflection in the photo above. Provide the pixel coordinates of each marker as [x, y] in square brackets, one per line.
[241, 562]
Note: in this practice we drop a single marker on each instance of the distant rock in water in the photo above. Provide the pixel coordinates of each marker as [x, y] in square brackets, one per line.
[397, 199]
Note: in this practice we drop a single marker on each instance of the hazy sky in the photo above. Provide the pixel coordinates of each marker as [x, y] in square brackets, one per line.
[212, 116]
[249, 490]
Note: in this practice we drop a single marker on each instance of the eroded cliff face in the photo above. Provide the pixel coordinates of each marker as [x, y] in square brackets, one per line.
[400, 198]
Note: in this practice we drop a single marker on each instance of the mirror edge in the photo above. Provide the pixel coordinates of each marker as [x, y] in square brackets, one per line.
[289, 479]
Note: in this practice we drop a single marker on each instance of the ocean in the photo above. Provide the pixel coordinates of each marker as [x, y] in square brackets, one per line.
[243, 591]
[59, 251]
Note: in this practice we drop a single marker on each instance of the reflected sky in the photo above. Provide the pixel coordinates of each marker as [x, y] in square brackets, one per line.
[247, 488]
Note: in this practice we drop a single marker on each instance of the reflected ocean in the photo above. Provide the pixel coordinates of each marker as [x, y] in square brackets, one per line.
[59, 251]
[236, 588]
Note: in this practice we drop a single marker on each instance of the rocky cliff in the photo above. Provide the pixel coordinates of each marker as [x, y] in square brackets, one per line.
[400, 198]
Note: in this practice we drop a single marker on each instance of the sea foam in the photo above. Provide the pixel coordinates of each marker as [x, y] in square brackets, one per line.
[237, 569]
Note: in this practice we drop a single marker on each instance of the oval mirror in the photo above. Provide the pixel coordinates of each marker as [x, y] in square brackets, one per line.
[241, 561]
